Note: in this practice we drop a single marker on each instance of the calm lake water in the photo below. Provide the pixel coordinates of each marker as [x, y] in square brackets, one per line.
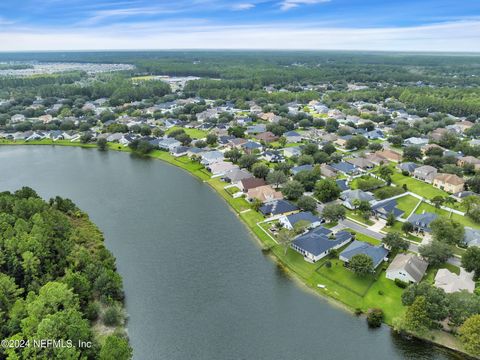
[197, 285]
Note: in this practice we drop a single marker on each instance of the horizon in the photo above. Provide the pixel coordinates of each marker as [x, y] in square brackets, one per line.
[276, 25]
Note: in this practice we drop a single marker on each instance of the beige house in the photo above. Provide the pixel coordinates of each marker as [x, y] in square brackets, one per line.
[407, 268]
[451, 282]
[449, 182]
[389, 155]
[462, 161]
[264, 193]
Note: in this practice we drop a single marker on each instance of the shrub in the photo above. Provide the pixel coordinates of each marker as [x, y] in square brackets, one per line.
[112, 316]
[401, 284]
[358, 311]
[92, 311]
[380, 292]
[375, 318]
[328, 264]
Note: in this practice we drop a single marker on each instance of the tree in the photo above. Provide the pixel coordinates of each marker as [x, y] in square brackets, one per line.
[276, 178]
[390, 219]
[436, 253]
[256, 204]
[385, 173]
[211, 139]
[438, 201]
[407, 227]
[305, 160]
[329, 148]
[237, 131]
[375, 318]
[447, 230]
[292, 190]
[356, 142]
[327, 190]
[395, 140]
[247, 161]
[437, 303]
[462, 305]
[361, 264]
[470, 334]
[285, 238]
[85, 138]
[308, 178]
[260, 170]
[395, 242]
[102, 144]
[115, 348]
[234, 155]
[412, 153]
[307, 203]
[333, 212]
[471, 260]
[416, 317]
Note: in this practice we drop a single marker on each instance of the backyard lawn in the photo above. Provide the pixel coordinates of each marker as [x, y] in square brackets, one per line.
[354, 215]
[418, 187]
[407, 203]
[464, 220]
[193, 133]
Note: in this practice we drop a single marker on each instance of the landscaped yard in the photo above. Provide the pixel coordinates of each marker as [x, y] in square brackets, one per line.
[356, 216]
[432, 271]
[418, 187]
[407, 203]
[193, 133]
[397, 227]
[464, 220]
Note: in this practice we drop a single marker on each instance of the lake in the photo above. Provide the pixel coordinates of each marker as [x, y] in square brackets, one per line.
[197, 285]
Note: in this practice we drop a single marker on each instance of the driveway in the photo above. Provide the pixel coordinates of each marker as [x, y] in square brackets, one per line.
[359, 228]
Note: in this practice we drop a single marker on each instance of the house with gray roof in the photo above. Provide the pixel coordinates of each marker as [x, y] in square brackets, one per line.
[211, 157]
[426, 173]
[292, 151]
[383, 209]
[317, 243]
[378, 254]
[293, 137]
[349, 197]
[408, 268]
[235, 175]
[415, 141]
[278, 207]
[289, 221]
[408, 167]
[168, 143]
[471, 237]
[296, 169]
[421, 222]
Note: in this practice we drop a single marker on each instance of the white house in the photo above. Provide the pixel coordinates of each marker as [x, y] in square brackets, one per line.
[408, 268]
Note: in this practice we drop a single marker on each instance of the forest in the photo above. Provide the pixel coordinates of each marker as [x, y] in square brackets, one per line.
[57, 281]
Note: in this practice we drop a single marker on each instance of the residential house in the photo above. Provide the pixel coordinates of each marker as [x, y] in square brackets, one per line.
[383, 209]
[375, 159]
[471, 160]
[408, 167]
[408, 268]
[342, 184]
[17, 118]
[421, 222]
[266, 137]
[236, 143]
[264, 193]
[179, 151]
[375, 134]
[328, 171]
[168, 143]
[415, 141]
[389, 155]
[378, 254]
[235, 175]
[463, 125]
[251, 146]
[256, 129]
[296, 169]
[471, 237]
[210, 157]
[361, 163]
[194, 151]
[449, 182]
[345, 168]
[272, 156]
[460, 196]
[342, 140]
[220, 168]
[293, 137]
[292, 151]
[278, 207]
[250, 183]
[450, 282]
[427, 147]
[126, 139]
[289, 221]
[318, 242]
[426, 173]
[437, 134]
[350, 198]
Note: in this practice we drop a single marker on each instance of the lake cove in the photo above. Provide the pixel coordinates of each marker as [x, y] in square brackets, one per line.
[197, 285]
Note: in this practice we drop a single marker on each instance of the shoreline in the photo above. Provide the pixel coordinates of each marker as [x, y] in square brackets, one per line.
[264, 245]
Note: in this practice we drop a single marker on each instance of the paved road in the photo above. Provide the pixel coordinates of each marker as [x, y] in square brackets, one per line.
[379, 236]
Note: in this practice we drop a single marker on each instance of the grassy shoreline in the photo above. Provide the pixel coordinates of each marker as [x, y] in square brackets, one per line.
[290, 261]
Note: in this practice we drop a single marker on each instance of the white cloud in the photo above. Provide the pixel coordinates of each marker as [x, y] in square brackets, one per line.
[290, 4]
[450, 36]
[243, 6]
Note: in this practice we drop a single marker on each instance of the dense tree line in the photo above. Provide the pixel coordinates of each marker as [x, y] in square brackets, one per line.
[56, 279]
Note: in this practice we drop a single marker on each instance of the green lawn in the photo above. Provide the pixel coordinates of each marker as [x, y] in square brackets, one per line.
[418, 187]
[464, 220]
[407, 203]
[432, 271]
[397, 227]
[364, 238]
[193, 133]
[354, 215]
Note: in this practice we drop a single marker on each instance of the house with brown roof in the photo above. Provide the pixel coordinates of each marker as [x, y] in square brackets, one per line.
[361, 163]
[375, 159]
[437, 134]
[427, 147]
[267, 137]
[328, 171]
[464, 125]
[463, 160]
[449, 182]
[389, 155]
[264, 193]
[250, 183]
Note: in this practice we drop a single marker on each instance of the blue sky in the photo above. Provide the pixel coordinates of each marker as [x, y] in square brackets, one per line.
[418, 25]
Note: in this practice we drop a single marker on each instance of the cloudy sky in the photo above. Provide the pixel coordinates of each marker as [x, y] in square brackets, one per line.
[401, 25]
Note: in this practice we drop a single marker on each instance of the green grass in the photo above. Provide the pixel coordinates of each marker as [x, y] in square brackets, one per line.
[193, 133]
[354, 215]
[232, 190]
[407, 203]
[397, 227]
[418, 187]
